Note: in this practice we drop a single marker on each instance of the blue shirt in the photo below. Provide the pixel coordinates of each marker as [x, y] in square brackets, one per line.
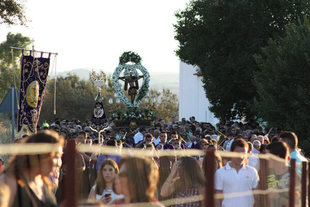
[299, 159]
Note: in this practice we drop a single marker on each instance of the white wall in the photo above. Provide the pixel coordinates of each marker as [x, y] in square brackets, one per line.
[192, 98]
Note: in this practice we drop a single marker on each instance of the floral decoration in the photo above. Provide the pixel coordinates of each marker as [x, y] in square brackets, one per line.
[133, 113]
[129, 57]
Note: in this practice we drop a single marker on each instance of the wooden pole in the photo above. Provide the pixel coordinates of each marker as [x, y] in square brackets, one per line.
[209, 177]
[304, 185]
[292, 183]
[70, 189]
[13, 112]
[309, 184]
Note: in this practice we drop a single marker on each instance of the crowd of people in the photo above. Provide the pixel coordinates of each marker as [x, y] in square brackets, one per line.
[113, 179]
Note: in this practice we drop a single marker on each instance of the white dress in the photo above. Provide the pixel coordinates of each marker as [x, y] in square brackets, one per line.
[113, 195]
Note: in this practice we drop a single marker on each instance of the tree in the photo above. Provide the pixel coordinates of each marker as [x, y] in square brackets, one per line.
[12, 12]
[283, 82]
[221, 37]
[166, 105]
[75, 98]
[9, 62]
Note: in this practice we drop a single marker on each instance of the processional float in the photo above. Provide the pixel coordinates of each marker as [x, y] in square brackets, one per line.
[128, 72]
[132, 94]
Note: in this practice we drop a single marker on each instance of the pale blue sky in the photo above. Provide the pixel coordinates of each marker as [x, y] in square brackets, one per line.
[94, 33]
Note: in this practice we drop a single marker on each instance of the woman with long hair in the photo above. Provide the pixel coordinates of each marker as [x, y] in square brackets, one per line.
[185, 180]
[104, 189]
[27, 175]
[137, 180]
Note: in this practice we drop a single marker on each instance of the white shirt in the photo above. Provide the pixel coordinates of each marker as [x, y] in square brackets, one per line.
[229, 144]
[228, 180]
[138, 137]
[253, 161]
[113, 195]
[255, 151]
[156, 140]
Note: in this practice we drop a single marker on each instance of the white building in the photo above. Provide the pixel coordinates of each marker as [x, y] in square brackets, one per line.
[192, 97]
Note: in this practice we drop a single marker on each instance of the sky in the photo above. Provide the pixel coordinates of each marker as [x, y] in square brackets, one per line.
[93, 34]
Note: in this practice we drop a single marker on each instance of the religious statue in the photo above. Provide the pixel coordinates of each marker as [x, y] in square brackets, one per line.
[132, 80]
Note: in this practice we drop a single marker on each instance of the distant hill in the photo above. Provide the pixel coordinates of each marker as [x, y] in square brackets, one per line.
[158, 80]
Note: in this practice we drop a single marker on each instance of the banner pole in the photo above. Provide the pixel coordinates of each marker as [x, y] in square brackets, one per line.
[13, 121]
[54, 53]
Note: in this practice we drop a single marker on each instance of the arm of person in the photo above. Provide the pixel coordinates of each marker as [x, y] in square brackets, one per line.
[8, 189]
[94, 156]
[92, 194]
[168, 187]
[255, 198]
[86, 157]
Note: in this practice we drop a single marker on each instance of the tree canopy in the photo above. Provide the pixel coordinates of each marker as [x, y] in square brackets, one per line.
[221, 38]
[12, 12]
[9, 62]
[283, 80]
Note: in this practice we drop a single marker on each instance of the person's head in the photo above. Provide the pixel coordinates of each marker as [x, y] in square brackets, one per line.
[240, 146]
[142, 129]
[204, 143]
[176, 143]
[192, 119]
[149, 138]
[174, 135]
[64, 134]
[156, 133]
[82, 136]
[262, 149]
[214, 142]
[111, 142]
[279, 149]
[256, 144]
[163, 137]
[44, 164]
[250, 147]
[234, 131]
[274, 139]
[191, 177]
[122, 133]
[150, 147]
[290, 138]
[89, 141]
[253, 137]
[108, 170]
[137, 190]
[260, 138]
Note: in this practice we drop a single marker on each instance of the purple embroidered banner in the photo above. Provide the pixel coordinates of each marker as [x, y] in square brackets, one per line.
[99, 119]
[34, 72]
